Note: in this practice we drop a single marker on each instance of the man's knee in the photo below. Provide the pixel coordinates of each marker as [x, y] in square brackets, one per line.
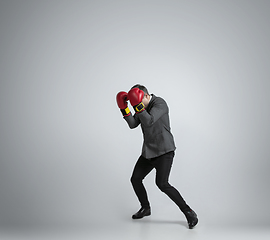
[135, 179]
[163, 186]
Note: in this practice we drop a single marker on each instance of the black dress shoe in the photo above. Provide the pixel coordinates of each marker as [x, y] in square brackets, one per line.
[192, 218]
[142, 213]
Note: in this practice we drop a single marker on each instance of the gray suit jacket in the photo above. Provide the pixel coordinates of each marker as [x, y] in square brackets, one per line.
[155, 125]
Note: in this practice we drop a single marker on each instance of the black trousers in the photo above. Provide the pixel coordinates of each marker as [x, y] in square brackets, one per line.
[163, 165]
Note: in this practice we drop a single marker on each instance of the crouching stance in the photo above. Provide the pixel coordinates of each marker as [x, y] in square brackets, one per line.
[152, 113]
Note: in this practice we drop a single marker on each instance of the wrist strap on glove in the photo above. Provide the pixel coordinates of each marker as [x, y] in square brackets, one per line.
[139, 108]
[126, 112]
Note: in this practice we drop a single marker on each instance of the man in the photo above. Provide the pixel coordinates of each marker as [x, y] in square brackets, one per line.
[152, 113]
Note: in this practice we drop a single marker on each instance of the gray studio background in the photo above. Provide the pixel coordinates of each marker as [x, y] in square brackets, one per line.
[66, 154]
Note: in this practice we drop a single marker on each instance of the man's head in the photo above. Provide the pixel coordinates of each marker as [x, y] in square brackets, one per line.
[146, 98]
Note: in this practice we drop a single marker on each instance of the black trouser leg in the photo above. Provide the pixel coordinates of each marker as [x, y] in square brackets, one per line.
[141, 169]
[163, 166]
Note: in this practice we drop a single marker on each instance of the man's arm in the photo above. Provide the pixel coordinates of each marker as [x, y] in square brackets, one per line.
[133, 121]
[149, 118]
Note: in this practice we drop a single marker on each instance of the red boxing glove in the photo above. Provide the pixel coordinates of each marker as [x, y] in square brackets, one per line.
[122, 98]
[135, 96]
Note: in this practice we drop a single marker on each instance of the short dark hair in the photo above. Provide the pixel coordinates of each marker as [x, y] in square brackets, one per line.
[141, 87]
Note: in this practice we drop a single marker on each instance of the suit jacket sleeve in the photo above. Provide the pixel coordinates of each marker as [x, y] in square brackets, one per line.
[148, 118]
[133, 121]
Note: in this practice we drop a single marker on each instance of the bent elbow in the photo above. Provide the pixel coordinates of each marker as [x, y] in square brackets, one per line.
[132, 126]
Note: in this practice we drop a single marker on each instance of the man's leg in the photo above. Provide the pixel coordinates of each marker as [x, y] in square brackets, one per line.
[141, 169]
[163, 166]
